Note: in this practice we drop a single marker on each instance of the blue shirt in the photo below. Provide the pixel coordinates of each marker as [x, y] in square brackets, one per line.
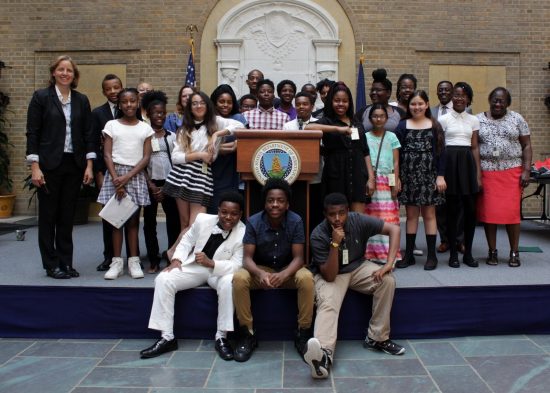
[274, 246]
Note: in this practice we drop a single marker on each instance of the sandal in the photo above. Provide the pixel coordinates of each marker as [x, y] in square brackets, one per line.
[154, 268]
[514, 259]
[492, 259]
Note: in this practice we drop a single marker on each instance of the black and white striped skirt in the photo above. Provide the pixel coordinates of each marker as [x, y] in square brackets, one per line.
[190, 183]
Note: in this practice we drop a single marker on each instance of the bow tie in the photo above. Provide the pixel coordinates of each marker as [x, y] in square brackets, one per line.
[198, 125]
[217, 230]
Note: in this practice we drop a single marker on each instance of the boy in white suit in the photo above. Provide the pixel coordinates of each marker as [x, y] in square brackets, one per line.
[209, 252]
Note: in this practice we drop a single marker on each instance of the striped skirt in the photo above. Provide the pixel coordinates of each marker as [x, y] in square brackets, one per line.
[190, 183]
[136, 187]
[387, 209]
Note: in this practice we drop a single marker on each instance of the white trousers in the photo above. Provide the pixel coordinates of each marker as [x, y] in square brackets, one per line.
[167, 284]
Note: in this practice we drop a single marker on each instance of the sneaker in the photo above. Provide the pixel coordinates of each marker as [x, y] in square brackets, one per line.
[116, 268]
[318, 358]
[245, 345]
[387, 346]
[300, 340]
[134, 266]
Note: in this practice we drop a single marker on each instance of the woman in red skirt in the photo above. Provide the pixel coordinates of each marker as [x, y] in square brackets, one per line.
[505, 152]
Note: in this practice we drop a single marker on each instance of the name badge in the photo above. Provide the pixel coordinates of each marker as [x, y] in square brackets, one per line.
[345, 257]
[391, 179]
[155, 144]
[354, 134]
[204, 168]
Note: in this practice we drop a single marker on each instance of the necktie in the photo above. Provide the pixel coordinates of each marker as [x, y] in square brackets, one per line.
[444, 110]
[115, 112]
[300, 124]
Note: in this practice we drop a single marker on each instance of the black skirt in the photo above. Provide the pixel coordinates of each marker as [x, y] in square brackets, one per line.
[460, 171]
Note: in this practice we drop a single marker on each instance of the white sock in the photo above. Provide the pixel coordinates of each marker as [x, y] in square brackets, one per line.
[221, 334]
[168, 336]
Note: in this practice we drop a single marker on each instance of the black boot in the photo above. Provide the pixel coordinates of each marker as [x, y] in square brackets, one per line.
[408, 259]
[431, 261]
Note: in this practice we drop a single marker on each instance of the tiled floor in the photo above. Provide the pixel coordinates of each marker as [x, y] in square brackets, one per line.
[497, 364]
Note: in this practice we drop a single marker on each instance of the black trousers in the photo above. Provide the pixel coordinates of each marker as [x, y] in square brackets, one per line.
[150, 223]
[442, 224]
[56, 208]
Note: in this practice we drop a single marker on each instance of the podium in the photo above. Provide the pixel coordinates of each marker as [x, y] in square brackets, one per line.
[257, 149]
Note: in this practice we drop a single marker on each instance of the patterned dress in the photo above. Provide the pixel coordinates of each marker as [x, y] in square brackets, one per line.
[418, 169]
[382, 205]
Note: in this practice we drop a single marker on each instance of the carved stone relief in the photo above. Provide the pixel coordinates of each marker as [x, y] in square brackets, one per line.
[295, 40]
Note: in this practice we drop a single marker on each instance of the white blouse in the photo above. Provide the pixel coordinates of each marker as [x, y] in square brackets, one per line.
[458, 128]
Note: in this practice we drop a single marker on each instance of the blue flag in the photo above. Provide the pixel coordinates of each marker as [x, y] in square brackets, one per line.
[360, 98]
[190, 78]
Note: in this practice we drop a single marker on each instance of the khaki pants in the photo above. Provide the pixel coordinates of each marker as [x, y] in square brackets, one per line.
[243, 282]
[330, 296]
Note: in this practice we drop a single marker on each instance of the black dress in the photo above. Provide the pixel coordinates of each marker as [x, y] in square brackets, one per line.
[418, 168]
[345, 170]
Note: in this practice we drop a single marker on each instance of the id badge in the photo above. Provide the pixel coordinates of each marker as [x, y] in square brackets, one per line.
[391, 179]
[155, 144]
[345, 257]
[496, 153]
[204, 168]
[354, 134]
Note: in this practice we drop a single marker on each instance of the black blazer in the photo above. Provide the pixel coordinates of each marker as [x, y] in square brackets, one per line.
[100, 116]
[46, 128]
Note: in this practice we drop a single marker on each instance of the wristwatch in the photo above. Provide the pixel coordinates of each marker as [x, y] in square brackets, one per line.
[334, 244]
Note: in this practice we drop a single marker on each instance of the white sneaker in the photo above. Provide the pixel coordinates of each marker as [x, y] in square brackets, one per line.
[116, 269]
[134, 267]
[318, 358]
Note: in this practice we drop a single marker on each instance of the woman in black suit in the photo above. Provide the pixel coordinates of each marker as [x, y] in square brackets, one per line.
[60, 150]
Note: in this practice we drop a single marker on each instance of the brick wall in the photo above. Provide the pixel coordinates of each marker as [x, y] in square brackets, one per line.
[149, 36]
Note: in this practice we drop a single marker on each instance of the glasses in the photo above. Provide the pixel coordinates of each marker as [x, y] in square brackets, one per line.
[377, 91]
[195, 104]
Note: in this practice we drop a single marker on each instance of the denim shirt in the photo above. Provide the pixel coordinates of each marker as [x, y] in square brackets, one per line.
[274, 246]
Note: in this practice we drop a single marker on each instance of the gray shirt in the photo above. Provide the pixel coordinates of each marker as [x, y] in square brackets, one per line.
[358, 228]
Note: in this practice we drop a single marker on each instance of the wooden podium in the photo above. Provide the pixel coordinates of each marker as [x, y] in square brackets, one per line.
[305, 143]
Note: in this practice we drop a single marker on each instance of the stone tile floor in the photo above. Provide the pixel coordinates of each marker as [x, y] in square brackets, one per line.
[497, 364]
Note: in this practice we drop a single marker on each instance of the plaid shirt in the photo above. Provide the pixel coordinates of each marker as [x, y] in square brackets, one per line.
[261, 119]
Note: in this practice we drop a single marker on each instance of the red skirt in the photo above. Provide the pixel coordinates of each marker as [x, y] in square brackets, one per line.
[500, 199]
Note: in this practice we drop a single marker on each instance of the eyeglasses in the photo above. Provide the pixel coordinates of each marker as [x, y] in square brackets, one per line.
[377, 91]
[198, 103]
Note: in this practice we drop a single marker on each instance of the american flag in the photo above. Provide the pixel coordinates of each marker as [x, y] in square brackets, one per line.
[190, 78]
[360, 97]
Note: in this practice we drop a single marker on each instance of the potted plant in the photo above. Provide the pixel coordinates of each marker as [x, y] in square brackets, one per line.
[7, 199]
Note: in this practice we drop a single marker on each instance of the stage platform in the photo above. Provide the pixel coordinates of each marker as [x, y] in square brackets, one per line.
[442, 303]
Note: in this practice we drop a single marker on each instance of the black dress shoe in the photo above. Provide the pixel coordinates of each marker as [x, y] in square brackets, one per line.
[160, 347]
[245, 345]
[57, 273]
[453, 262]
[104, 266]
[71, 272]
[224, 349]
[431, 264]
[470, 261]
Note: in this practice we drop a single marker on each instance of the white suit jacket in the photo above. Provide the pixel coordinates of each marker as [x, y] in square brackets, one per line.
[228, 258]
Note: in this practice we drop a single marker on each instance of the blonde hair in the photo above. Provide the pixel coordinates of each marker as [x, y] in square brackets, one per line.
[56, 63]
